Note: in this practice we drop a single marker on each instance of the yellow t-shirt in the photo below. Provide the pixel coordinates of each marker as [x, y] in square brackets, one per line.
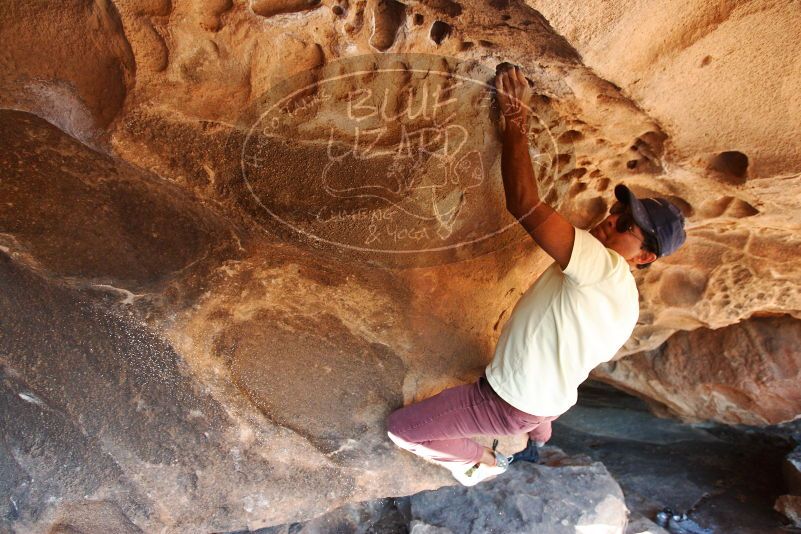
[562, 327]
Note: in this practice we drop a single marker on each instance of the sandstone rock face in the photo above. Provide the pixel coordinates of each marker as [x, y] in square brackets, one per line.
[699, 375]
[234, 235]
[688, 64]
[53, 70]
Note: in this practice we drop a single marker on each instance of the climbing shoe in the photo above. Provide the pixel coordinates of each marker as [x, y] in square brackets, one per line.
[479, 472]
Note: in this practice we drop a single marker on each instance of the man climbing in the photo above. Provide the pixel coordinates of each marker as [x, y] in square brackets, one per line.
[577, 314]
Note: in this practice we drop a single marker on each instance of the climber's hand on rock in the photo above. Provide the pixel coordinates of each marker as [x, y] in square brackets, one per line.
[513, 97]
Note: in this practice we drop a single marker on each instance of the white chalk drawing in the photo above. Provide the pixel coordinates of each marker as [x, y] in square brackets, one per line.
[425, 167]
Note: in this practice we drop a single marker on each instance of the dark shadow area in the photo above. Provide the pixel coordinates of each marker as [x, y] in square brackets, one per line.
[726, 478]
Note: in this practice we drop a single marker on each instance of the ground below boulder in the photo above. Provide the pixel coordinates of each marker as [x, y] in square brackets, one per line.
[563, 495]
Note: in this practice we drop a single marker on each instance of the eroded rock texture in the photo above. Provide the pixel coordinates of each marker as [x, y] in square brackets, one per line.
[234, 235]
[699, 375]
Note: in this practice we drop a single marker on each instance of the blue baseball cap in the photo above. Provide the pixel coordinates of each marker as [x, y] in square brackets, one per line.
[658, 217]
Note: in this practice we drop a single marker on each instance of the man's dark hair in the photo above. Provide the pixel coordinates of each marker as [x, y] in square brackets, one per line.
[649, 244]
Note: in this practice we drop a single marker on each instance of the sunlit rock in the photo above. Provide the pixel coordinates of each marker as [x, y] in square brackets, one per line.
[235, 235]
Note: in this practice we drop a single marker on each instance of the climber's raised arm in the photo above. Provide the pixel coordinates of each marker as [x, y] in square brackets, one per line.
[552, 232]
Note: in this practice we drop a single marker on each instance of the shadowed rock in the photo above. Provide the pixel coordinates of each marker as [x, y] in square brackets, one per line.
[93, 404]
[79, 213]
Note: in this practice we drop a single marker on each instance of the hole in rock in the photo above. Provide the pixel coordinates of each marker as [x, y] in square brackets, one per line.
[389, 15]
[570, 136]
[651, 144]
[575, 174]
[577, 188]
[439, 31]
[732, 165]
[268, 8]
[561, 160]
[728, 207]
[418, 19]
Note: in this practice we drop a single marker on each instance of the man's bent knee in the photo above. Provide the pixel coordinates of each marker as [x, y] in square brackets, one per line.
[395, 424]
[398, 439]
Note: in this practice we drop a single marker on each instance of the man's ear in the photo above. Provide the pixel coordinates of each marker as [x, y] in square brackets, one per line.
[645, 257]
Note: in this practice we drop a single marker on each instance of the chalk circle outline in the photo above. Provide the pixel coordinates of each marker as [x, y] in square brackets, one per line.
[318, 83]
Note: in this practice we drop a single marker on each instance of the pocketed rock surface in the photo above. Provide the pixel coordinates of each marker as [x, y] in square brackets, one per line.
[235, 235]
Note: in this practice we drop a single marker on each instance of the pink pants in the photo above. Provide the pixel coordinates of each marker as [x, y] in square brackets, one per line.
[439, 427]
